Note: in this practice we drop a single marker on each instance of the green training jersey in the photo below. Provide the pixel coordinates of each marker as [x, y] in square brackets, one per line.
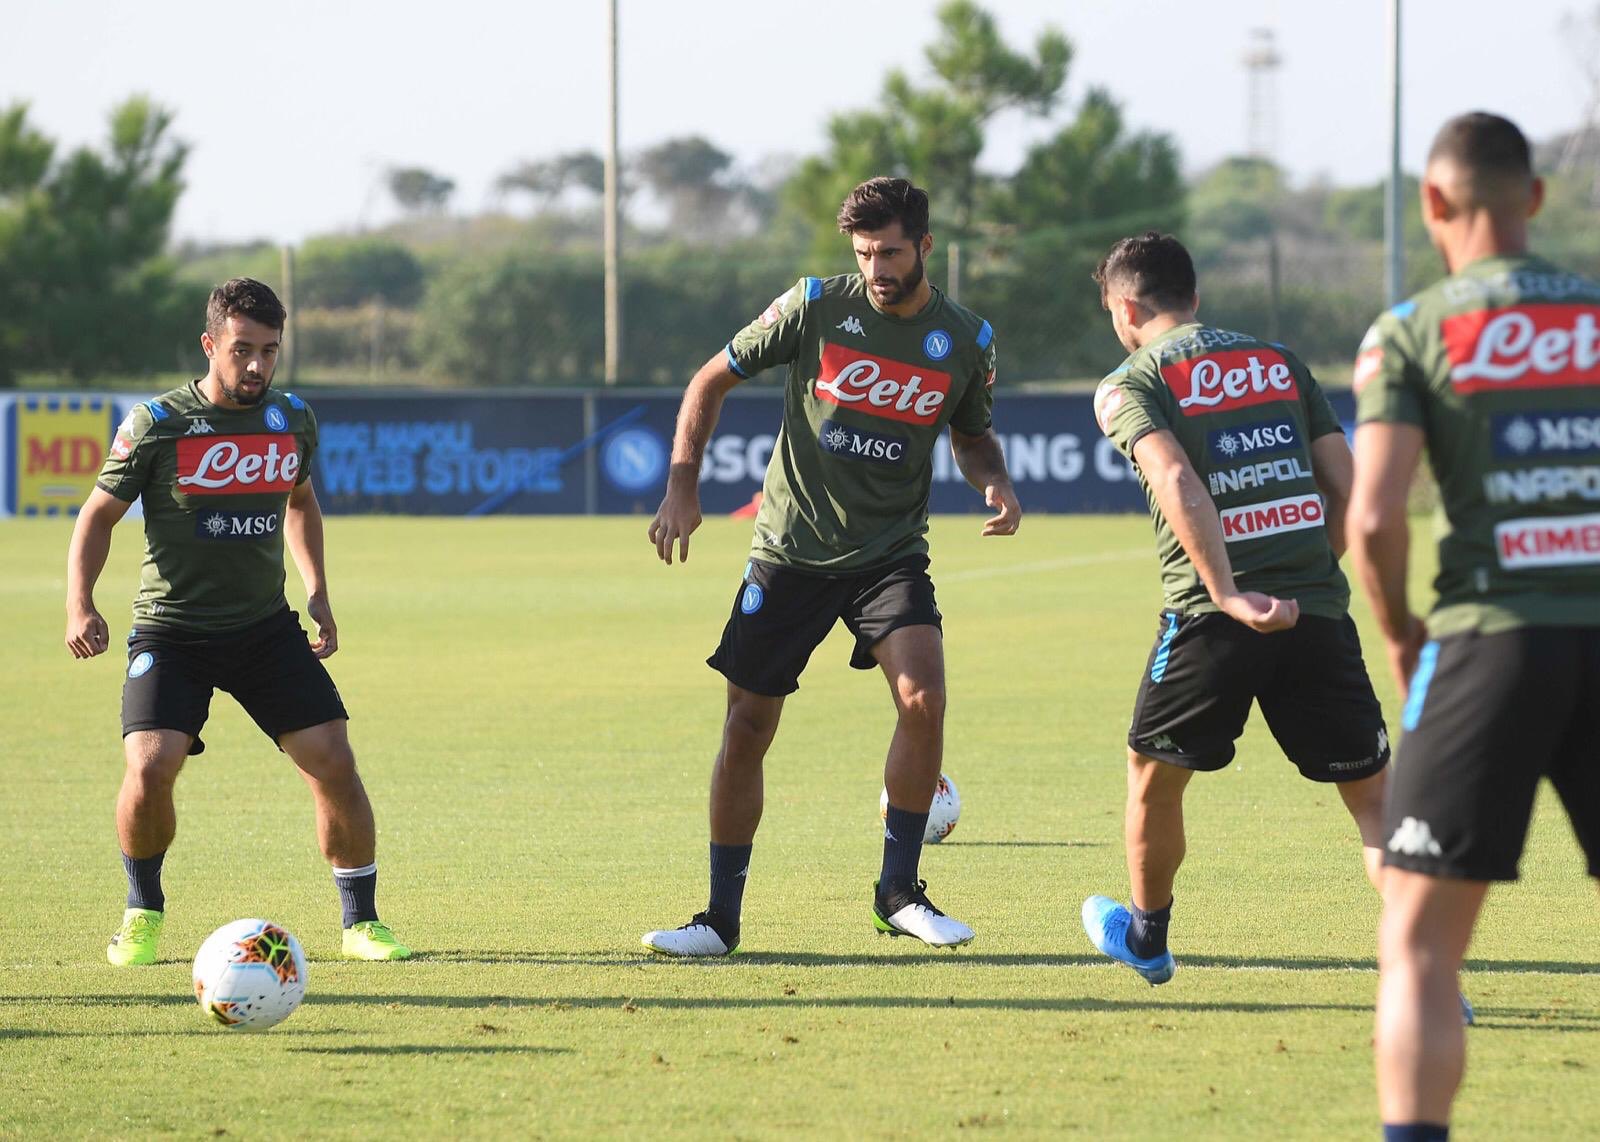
[1245, 412]
[867, 397]
[214, 482]
[1499, 366]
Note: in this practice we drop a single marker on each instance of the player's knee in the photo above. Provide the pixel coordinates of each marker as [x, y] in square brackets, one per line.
[1152, 782]
[154, 762]
[922, 702]
[750, 726]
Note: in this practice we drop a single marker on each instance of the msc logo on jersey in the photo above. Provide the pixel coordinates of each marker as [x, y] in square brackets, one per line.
[851, 443]
[1562, 432]
[937, 345]
[236, 525]
[235, 465]
[1234, 379]
[850, 378]
[1246, 440]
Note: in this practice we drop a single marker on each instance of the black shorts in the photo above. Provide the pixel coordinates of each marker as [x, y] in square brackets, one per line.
[780, 616]
[1488, 715]
[1310, 681]
[268, 668]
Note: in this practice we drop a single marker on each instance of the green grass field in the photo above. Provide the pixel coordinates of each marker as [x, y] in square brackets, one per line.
[536, 726]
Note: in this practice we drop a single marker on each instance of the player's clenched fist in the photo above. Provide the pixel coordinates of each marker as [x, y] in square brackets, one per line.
[87, 633]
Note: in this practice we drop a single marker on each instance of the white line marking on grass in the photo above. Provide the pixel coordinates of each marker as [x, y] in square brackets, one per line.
[1044, 565]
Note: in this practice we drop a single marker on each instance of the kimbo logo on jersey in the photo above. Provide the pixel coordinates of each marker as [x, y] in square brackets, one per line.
[1243, 441]
[851, 443]
[236, 525]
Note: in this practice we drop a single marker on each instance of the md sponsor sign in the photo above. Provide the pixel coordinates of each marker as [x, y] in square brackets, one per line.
[51, 449]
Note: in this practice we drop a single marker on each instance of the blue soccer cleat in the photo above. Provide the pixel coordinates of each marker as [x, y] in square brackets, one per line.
[1106, 923]
[1469, 1017]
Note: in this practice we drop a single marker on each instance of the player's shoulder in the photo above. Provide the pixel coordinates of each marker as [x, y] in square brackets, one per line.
[966, 327]
[293, 405]
[161, 414]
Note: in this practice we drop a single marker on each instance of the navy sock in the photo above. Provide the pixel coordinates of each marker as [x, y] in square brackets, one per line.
[1147, 931]
[358, 893]
[730, 868]
[144, 882]
[902, 849]
[1415, 1132]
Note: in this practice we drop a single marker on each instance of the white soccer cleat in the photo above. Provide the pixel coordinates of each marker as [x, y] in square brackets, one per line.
[916, 916]
[696, 938]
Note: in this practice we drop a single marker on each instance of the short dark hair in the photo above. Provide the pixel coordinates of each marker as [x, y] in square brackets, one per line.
[1487, 147]
[244, 297]
[882, 200]
[1154, 269]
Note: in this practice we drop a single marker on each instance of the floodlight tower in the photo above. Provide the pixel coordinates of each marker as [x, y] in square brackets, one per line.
[1261, 61]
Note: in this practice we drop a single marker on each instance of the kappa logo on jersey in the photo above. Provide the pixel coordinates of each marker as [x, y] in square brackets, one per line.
[1563, 432]
[1559, 541]
[852, 443]
[236, 525]
[199, 426]
[1526, 347]
[850, 378]
[236, 465]
[1253, 521]
[852, 324]
[1245, 440]
[1238, 378]
[1414, 838]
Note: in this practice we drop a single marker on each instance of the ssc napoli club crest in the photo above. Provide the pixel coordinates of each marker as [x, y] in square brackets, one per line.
[141, 664]
[750, 602]
[937, 345]
[276, 420]
[635, 459]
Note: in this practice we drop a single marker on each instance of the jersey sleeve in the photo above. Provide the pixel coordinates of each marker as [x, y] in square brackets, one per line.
[129, 461]
[311, 442]
[975, 413]
[1388, 380]
[773, 338]
[1127, 408]
[1321, 420]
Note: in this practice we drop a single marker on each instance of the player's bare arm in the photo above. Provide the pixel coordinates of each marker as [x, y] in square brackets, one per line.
[1386, 458]
[1189, 510]
[983, 462]
[302, 531]
[87, 633]
[1333, 468]
[679, 514]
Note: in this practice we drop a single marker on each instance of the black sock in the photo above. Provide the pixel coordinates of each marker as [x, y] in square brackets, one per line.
[1415, 1132]
[144, 882]
[1147, 931]
[358, 893]
[902, 850]
[730, 868]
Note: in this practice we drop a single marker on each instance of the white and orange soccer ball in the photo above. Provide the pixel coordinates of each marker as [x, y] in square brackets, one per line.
[250, 975]
[942, 814]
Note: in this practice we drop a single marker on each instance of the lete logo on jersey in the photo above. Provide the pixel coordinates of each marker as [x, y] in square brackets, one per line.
[236, 465]
[1527, 347]
[1238, 378]
[852, 379]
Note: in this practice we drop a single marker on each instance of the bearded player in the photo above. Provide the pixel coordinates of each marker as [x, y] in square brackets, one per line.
[879, 363]
[1247, 473]
[1496, 372]
[223, 467]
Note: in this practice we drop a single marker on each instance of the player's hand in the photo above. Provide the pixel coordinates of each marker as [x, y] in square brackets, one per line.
[1404, 651]
[1261, 613]
[319, 612]
[677, 517]
[1003, 499]
[87, 633]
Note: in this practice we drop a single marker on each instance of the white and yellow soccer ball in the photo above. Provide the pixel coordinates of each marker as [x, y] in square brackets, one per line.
[250, 975]
[942, 814]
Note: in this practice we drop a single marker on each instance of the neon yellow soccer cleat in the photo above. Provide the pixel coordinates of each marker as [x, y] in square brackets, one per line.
[135, 942]
[372, 940]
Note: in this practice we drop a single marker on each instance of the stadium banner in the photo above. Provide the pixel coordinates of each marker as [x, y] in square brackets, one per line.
[542, 452]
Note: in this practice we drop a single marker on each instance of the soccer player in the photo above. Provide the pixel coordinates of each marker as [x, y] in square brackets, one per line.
[223, 466]
[879, 364]
[1247, 473]
[1496, 370]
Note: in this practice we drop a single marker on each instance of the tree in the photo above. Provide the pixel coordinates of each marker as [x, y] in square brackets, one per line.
[418, 190]
[934, 134]
[340, 272]
[546, 180]
[85, 285]
[693, 178]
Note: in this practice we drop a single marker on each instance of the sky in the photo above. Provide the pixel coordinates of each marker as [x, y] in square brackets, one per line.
[294, 110]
